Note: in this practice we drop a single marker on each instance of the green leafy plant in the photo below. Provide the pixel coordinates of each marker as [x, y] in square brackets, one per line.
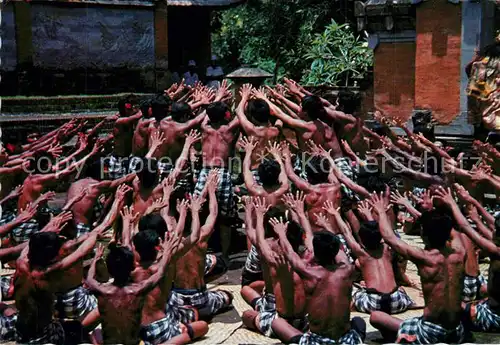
[338, 57]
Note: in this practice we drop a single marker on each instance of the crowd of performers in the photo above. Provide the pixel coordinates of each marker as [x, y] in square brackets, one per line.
[323, 200]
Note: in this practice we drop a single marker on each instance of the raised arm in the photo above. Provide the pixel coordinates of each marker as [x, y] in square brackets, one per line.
[249, 224]
[192, 138]
[464, 195]
[129, 218]
[265, 250]
[356, 248]
[157, 139]
[91, 282]
[208, 228]
[248, 127]
[397, 198]
[124, 121]
[288, 103]
[296, 204]
[274, 150]
[254, 188]
[400, 246]
[23, 217]
[296, 180]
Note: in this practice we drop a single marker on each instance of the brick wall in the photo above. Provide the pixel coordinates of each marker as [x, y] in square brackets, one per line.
[394, 78]
[437, 80]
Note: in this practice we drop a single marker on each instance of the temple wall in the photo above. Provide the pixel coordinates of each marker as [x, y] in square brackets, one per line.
[67, 37]
[8, 51]
[438, 59]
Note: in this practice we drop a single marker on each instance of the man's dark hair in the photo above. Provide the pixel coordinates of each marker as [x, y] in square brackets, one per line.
[146, 243]
[148, 175]
[120, 263]
[43, 248]
[269, 171]
[326, 247]
[180, 111]
[369, 234]
[94, 170]
[145, 106]
[317, 170]
[295, 234]
[349, 102]
[41, 162]
[314, 108]
[436, 228]
[259, 111]
[217, 113]
[154, 222]
[122, 104]
[160, 106]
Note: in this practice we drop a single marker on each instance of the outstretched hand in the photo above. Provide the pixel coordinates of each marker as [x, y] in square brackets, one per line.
[193, 137]
[248, 144]
[260, 206]
[295, 202]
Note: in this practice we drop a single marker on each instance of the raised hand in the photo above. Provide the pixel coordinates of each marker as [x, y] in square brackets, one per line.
[292, 86]
[99, 252]
[157, 138]
[182, 206]
[83, 141]
[259, 93]
[247, 203]
[129, 216]
[213, 180]
[317, 150]
[462, 193]
[57, 223]
[45, 197]
[197, 202]
[279, 227]
[246, 91]
[27, 214]
[426, 200]
[322, 220]
[444, 195]
[193, 137]
[377, 201]
[365, 210]
[16, 191]
[397, 198]
[122, 191]
[295, 202]
[274, 149]
[55, 150]
[260, 205]
[330, 208]
[168, 185]
[248, 144]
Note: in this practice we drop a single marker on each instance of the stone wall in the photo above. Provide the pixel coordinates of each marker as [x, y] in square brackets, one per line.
[8, 51]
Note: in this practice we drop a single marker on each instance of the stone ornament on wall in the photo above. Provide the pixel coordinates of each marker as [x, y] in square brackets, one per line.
[92, 37]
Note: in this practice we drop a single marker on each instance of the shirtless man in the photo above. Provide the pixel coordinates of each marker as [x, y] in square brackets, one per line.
[146, 186]
[174, 129]
[328, 279]
[189, 284]
[141, 132]
[83, 210]
[481, 316]
[73, 300]
[261, 129]
[441, 268]
[375, 259]
[121, 302]
[40, 178]
[160, 325]
[123, 132]
[219, 136]
[284, 291]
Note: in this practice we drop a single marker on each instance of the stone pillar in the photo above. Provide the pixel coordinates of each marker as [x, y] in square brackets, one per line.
[161, 43]
[471, 14]
[22, 18]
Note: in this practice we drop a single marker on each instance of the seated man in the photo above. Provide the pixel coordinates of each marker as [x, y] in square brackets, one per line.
[375, 259]
[189, 284]
[441, 268]
[328, 279]
[288, 303]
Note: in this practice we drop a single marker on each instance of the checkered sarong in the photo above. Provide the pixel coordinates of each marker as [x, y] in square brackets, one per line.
[482, 318]
[472, 287]
[5, 286]
[367, 301]
[134, 163]
[75, 303]
[8, 327]
[350, 338]
[52, 334]
[82, 229]
[178, 313]
[225, 194]
[207, 302]
[117, 167]
[345, 248]
[210, 260]
[418, 331]
[23, 232]
[252, 264]
[159, 332]
[185, 179]
[344, 165]
[7, 217]
[266, 306]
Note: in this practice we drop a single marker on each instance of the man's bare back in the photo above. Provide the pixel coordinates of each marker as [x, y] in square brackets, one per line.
[141, 137]
[217, 145]
[378, 271]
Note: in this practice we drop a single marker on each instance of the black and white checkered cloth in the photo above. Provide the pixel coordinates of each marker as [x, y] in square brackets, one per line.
[345, 248]
[482, 318]
[344, 165]
[472, 287]
[52, 334]
[178, 313]
[350, 338]
[5, 286]
[367, 301]
[117, 167]
[82, 229]
[252, 263]
[159, 332]
[134, 163]
[418, 331]
[23, 232]
[75, 303]
[208, 303]
[266, 306]
[7, 217]
[225, 194]
[210, 260]
[8, 327]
